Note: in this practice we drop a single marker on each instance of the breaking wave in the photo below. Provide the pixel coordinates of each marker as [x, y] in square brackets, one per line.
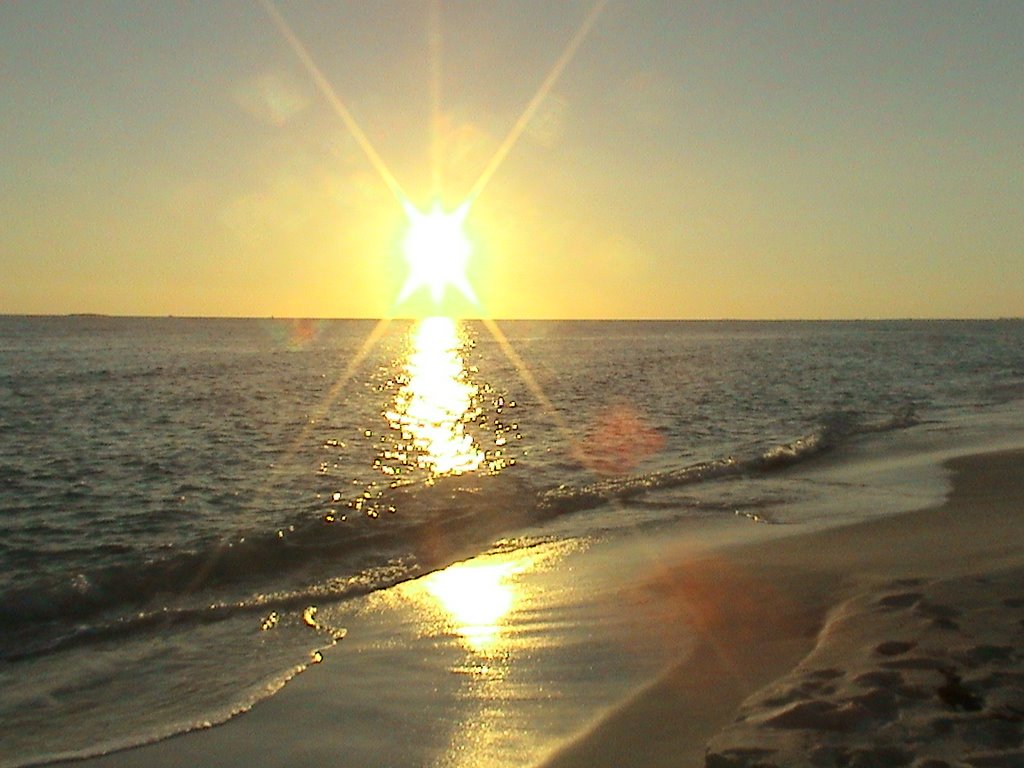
[329, 559]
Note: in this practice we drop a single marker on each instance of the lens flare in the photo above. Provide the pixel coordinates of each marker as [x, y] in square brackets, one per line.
[437, 250]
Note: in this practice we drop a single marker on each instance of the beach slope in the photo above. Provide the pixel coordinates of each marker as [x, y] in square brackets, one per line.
[896, 641]
[892, 642]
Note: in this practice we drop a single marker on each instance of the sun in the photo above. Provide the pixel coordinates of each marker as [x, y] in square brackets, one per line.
[437, 250]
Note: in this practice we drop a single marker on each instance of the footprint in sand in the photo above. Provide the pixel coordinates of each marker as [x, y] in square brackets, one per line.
[894, 647]
[942, 616]
[899, 600]
[740, 758]
[905, 583]
[957, 696]
[826, 674]
[931, 610]
[916, 662]
[980, 655]
[879, 679]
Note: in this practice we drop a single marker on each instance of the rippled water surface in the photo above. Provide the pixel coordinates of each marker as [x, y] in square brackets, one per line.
[179, 496]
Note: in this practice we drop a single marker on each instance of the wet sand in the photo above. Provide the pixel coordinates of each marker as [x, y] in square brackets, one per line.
[897, 641]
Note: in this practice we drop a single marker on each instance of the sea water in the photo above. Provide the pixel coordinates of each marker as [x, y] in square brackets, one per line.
[184, 501]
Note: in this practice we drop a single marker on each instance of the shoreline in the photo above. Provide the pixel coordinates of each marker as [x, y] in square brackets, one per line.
[753, 637]
[756, 610]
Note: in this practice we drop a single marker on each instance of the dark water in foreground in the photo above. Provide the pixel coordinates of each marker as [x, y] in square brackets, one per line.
[180, 497]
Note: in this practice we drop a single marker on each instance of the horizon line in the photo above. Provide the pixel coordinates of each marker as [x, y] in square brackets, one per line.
[877, 319]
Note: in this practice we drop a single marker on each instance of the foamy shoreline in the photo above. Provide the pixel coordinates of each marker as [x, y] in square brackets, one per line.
[899, 642]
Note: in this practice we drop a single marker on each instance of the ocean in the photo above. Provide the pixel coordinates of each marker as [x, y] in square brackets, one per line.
[191, 506]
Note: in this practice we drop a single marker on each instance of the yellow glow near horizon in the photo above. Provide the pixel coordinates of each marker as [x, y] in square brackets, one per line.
[476, 597]
[435, 246]
[431, 408]
[437, 250]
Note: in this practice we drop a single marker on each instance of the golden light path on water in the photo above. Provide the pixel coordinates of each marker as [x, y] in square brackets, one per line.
[432, 407]
[478, 605]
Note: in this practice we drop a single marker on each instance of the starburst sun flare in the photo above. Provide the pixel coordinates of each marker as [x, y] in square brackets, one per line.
[437, 250]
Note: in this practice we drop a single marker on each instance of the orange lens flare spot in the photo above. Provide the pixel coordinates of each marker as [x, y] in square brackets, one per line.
[620, 440]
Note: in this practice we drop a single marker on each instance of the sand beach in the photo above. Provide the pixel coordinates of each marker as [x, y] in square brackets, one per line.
[894, 641]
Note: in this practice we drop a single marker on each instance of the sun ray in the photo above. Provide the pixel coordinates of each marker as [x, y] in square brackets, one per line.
[537, 391]
[334, 100]
[435, 42]
[538, 98]
[443, 240]
[346, 376]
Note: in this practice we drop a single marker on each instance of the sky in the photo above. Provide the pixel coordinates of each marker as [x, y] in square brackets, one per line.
[691, 160]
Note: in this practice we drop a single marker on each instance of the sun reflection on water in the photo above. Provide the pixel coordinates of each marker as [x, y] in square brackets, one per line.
[476, 597]
[435, 402]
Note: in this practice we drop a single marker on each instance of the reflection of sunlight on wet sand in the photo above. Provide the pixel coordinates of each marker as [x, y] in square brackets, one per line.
[512, 653]
[477, 600]
[432, 407]
[476, 597]
[489, 607]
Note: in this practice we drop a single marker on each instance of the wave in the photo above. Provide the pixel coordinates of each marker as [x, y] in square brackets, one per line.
[168, 617]
[338, 557]
[327, 558]
[834, 430]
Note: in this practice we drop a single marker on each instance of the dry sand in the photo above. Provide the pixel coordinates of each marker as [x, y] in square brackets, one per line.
[894, 642]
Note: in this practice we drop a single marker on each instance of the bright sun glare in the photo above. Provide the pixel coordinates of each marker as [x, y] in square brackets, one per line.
[436, 400]
[435, 245]
[437, 250]
[477, 597]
